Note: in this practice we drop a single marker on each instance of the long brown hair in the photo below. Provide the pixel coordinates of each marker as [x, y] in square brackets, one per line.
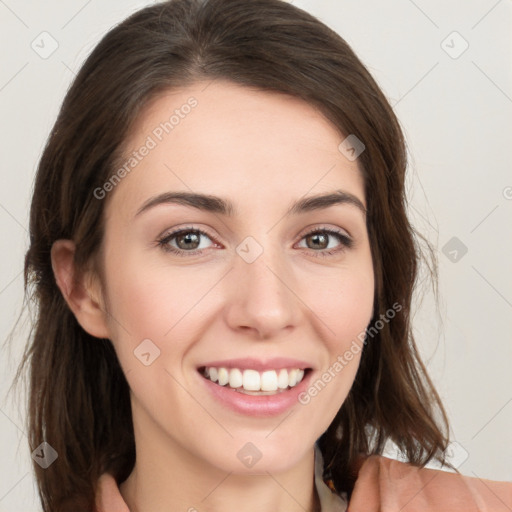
[78, 396]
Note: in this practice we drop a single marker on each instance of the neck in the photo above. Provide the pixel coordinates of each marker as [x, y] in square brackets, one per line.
[168, 477]
[259, 492]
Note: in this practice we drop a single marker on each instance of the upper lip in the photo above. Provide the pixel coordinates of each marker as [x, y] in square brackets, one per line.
[275, 363]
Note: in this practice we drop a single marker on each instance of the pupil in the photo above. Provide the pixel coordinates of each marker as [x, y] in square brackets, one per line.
[316, 238]
[188, 238]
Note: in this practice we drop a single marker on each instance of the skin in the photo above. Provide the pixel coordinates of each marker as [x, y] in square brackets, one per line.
[262, 151]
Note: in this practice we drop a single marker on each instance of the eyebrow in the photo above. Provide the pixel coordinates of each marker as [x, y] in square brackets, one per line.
[222, 206]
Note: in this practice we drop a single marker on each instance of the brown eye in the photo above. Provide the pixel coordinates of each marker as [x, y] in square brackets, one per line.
[185, 242]
[327, 242]
[189, 240]
[318, 240]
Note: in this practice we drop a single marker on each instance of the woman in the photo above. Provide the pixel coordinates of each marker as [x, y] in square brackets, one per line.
[224, 268]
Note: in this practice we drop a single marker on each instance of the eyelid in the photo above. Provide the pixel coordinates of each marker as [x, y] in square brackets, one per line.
[185, 229]
[173, 233]
[321, 227]
[344, 238]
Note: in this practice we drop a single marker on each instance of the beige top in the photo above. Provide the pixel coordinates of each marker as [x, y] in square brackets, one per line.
[329, 501]
[382, 484]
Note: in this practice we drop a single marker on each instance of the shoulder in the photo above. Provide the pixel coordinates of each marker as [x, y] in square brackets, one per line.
[391, 485]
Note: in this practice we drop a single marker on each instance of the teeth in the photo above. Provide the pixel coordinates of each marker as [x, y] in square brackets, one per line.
[213, 374]
[269, 381]
[223, 376]
[282, 379]
[235, 378]
[253, 381]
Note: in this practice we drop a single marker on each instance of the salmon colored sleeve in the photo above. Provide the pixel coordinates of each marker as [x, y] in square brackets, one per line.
[387, 485]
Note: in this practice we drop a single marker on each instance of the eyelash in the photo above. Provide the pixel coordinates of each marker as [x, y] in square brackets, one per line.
[345, 241]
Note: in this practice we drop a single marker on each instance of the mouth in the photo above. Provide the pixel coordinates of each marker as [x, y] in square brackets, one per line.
[250, 381]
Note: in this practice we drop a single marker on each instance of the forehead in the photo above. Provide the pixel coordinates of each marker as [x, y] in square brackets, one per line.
[229, 140]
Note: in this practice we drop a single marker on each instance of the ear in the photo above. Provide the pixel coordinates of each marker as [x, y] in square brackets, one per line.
[81, 292]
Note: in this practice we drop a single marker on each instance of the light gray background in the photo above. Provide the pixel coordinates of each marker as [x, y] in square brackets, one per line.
[456, 113]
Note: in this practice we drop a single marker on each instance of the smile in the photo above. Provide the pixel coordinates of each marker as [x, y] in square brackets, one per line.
[253, 382]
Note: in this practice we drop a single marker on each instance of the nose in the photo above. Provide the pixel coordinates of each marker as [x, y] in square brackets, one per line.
[261, 296]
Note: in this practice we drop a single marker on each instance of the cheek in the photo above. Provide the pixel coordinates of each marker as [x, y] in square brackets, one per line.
[345, 305]
[150, 306]
[149, 300]
[154, 301]
[345, 308]
[344, 302]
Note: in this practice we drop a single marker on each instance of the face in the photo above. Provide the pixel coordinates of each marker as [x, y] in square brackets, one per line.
[256, 280]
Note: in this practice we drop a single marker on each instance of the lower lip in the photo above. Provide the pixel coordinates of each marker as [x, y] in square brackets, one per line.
[254, 405]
